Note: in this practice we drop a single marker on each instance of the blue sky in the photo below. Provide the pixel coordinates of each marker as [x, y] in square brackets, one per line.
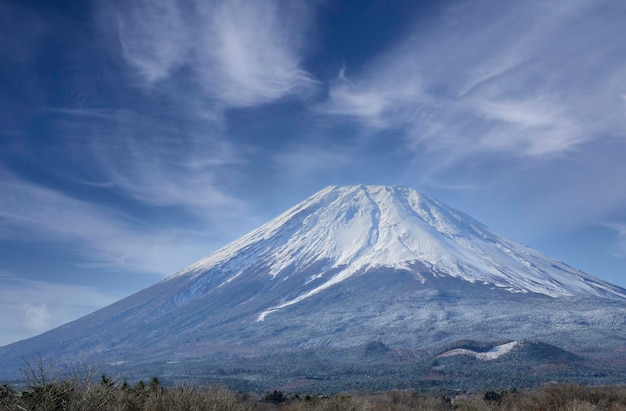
[139, 136]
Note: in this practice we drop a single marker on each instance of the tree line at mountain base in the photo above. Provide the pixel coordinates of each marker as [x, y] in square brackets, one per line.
[88, 390]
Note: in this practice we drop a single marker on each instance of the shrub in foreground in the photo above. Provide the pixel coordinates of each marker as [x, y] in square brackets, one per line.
[44, 390]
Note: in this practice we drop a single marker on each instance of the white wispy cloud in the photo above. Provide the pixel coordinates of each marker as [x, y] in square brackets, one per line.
[31, 307]
[376, 104]
[533, 126]
[98, 236]
[149, 160]
[154, 37]
[529, 79]
[241, 53]
[619, 244]
[250, 53]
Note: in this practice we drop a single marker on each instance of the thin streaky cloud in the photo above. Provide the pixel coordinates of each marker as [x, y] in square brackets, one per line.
[377, 101]
[253, 51]
[535, 126]
[31, 307]
[154, 37]
[241, 53]
[111, 240]
[619, 245]
[497, 88]
[154, 163]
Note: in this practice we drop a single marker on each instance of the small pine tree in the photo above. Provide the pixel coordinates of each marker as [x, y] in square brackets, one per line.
[105, 381]
[275, 397]
[492, 396]
[140, 386]
[155, 386]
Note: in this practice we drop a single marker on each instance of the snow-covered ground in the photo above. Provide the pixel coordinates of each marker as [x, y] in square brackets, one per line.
[356, 228]
[492, 354]
[347, 267]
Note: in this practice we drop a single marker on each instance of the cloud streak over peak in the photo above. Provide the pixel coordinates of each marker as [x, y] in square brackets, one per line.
[376, 103]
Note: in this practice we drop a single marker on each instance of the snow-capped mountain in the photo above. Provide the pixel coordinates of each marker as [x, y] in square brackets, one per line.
[354, 229]
[347, 266]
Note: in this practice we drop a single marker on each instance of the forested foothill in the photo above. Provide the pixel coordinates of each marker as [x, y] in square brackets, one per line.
[47, 387]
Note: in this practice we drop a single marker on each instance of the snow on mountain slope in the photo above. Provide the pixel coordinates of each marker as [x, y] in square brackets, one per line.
[346, 231]
[346, 267]
[494, 353]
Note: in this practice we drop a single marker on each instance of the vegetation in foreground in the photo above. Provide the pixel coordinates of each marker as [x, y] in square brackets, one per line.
[88, 391]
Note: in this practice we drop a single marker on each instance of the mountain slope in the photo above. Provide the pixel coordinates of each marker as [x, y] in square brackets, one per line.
[346, 267]
[353, 229]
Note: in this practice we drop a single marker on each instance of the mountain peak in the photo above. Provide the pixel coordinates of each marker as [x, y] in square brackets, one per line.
[345, 267]
[341, 232]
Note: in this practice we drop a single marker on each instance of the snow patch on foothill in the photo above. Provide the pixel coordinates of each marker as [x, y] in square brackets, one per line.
[492, 354]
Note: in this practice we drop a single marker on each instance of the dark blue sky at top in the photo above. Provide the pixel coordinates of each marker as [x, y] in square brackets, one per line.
[139, 136]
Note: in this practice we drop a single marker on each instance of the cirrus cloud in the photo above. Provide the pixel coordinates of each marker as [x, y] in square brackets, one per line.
[241, 53]
[31, 307]
[524, 82]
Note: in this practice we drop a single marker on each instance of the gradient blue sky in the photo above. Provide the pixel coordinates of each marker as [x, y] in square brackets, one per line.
[139, 136]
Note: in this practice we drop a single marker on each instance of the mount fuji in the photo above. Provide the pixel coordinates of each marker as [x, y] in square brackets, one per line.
[356, 269]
